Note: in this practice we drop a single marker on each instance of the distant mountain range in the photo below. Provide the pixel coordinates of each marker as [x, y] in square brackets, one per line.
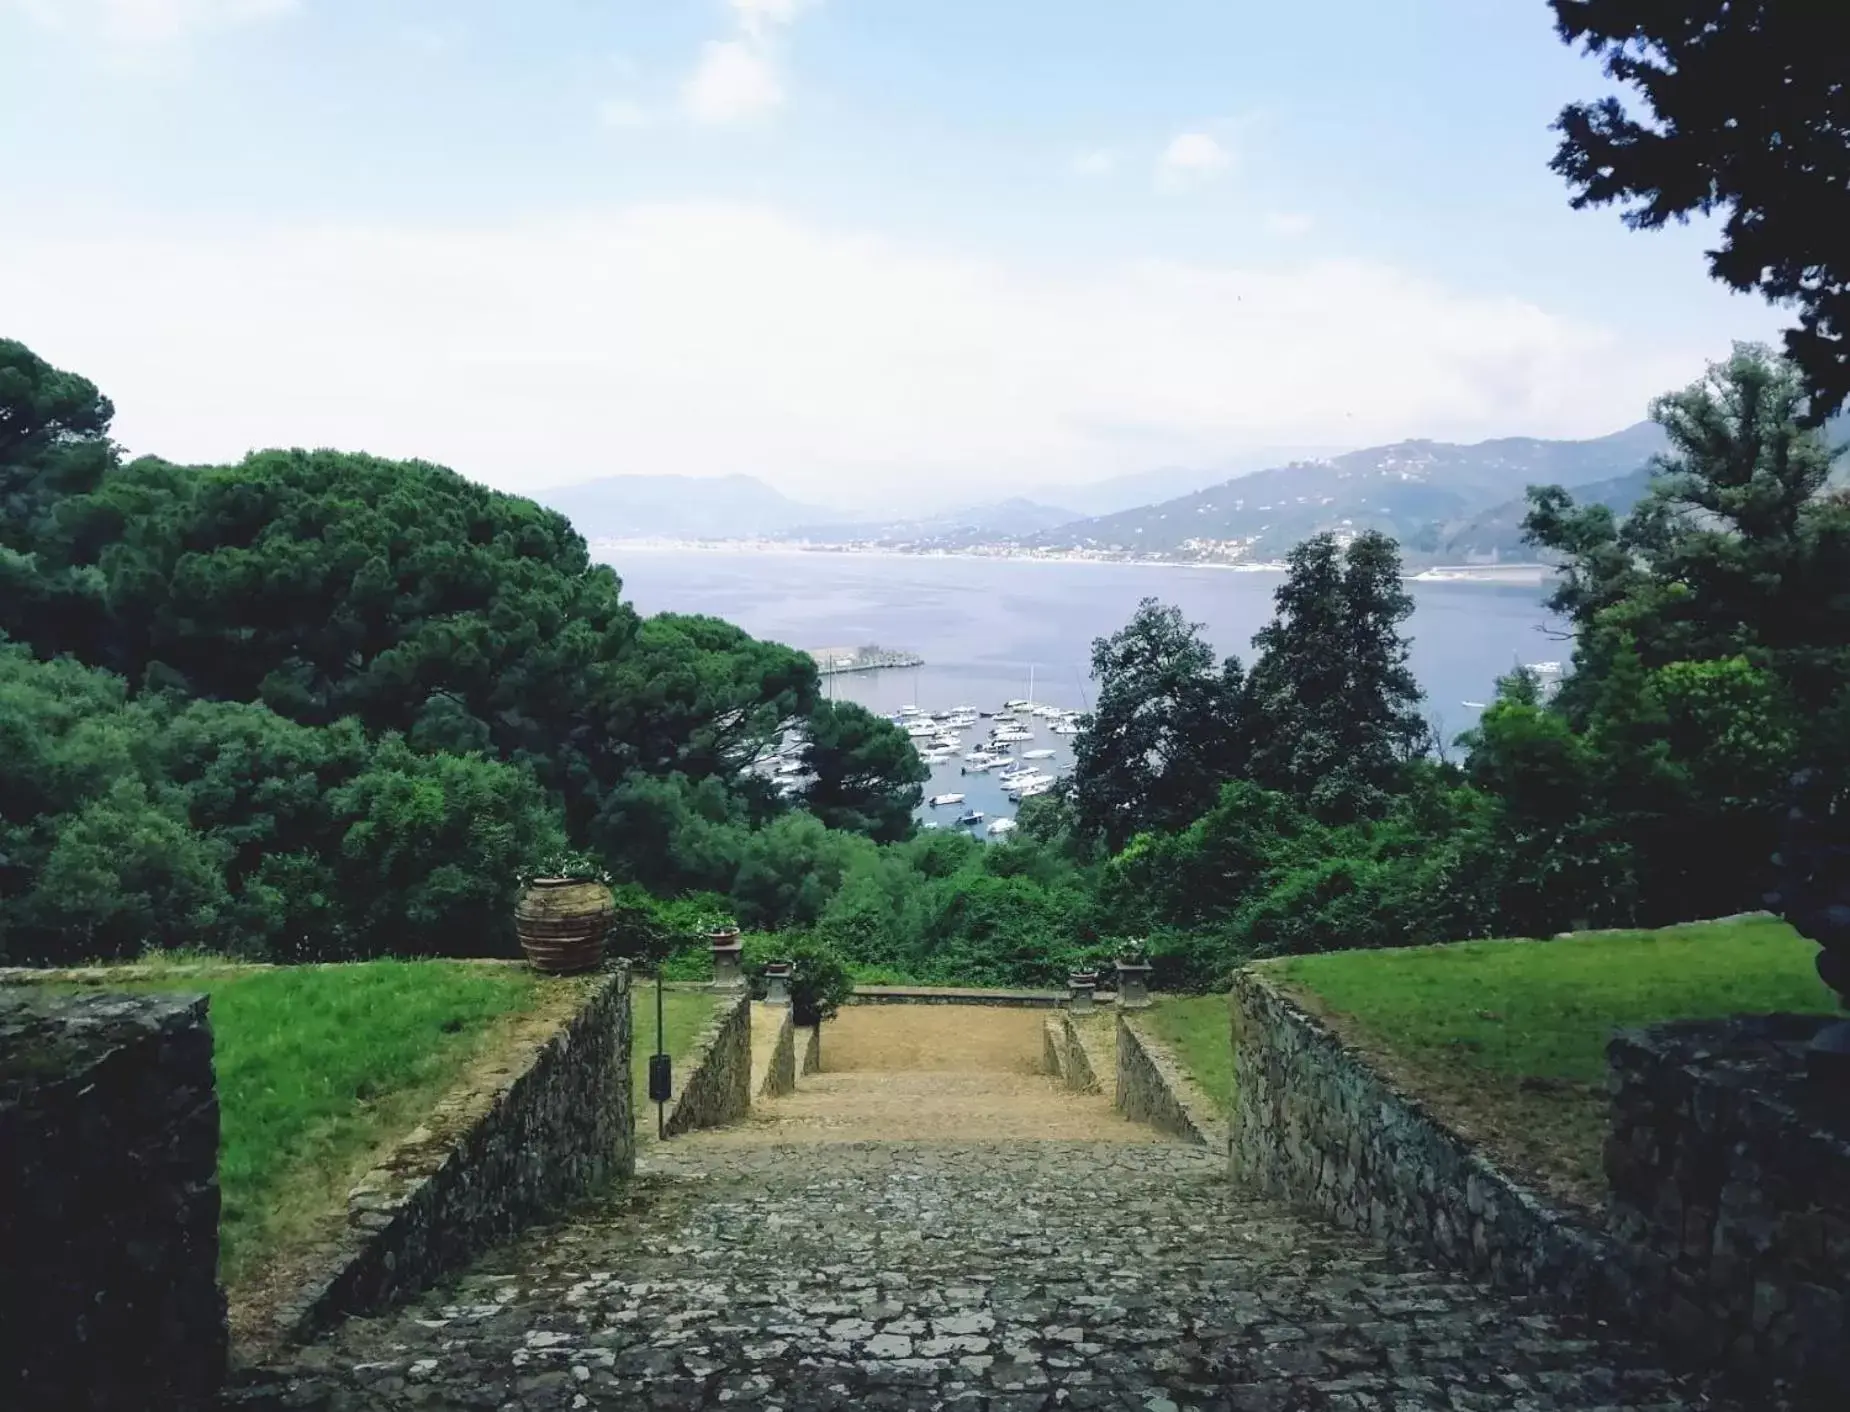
[1445, 503]
[1006, 518]
[1421, 492]
[680, 507]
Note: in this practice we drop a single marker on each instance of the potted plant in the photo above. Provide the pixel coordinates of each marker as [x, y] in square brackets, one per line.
[1133, 973]
[564, 912]
[722, 934]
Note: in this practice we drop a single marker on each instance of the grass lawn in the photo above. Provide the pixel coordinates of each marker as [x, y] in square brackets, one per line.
[1507, 1039]
[319, 1066]
[684, 1014]
[1199, 1031]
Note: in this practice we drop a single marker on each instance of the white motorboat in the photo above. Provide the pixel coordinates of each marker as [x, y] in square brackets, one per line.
[1030, 791]
[1000, 828]
[1014, 705]
[1019, 733]
[975, 816]
[1065, 728]
[920, 729]
[1042, 754]
[938, 799]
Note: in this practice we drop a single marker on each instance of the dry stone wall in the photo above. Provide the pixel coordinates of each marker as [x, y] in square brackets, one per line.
[1152, 1088]
[774, 1051]
[549, 1125]
[809, 1049]
[717, 1088]
[1316, 1126]
[109, 1203]
[1730, 1179]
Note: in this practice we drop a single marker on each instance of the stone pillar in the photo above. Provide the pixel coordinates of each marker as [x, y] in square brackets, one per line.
[1133, 985]
[727, 973]
[108, 1203]
[777, 982]
[1079, 986]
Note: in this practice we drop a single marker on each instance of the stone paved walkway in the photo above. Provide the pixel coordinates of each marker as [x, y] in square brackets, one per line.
[741, 1271]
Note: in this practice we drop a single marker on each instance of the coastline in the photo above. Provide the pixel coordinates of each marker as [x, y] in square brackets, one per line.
[1503, 575]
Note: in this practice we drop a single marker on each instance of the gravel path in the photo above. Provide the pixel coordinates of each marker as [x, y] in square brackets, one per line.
[741, 1269]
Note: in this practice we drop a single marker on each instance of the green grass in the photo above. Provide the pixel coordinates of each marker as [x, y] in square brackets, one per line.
[1199, 1031]
[318, 1066]
[684, 1014]
[1508, 1038]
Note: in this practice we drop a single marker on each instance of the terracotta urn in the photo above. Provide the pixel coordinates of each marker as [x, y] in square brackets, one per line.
[562, 922]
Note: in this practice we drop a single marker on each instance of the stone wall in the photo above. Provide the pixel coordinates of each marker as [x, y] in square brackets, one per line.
[717, 1087]
[809, 1049]
[109, 1203]
[1315, 1126]
[550, 1123]
[1078, 1050]
[953, 995]
[1731, 1191]
[774, 1051]
[1152, 1088]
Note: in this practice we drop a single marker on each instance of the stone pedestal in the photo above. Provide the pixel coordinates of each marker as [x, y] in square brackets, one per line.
[1080, 986]
[1730, 1176]
[1133, 985]
[728, 975]
[777, 976]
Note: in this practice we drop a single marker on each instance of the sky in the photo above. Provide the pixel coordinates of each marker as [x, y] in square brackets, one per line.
[877, 252]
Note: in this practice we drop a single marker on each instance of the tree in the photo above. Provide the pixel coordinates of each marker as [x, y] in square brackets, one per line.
[1166, 730]
[1738, 548]
[1747, 112]
[54, 444]
[1331, 704]
[865, 774]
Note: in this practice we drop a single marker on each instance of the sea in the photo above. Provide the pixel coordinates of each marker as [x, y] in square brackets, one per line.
[991, 630]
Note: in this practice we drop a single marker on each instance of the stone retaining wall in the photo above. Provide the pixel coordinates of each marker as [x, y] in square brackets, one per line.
[550, 1123]
[109, 1204]
[774, 1051]
[1152, 1088]
[1731, 1192]
[1316, 1126]
[953, 995]
[809, 1049]
[717, 1088]
[1077, 1051]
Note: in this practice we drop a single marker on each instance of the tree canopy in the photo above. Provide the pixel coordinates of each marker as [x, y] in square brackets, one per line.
[1746, 111]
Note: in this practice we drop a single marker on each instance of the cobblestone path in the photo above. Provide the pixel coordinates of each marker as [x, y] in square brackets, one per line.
[742, 1271]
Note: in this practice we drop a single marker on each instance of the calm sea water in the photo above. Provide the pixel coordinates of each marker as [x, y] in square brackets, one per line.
[992, 629]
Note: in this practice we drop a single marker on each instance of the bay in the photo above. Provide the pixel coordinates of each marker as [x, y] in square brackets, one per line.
[994, 629]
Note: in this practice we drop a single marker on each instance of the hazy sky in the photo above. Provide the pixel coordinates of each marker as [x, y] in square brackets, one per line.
[862, 248]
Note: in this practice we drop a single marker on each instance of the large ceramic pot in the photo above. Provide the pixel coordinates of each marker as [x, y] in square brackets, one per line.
[562, 922]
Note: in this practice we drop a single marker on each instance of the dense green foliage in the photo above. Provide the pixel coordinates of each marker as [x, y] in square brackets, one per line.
[1712, 660]
[1746, 112]
[320, 705]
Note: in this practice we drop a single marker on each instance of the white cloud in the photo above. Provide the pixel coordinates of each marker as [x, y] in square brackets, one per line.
[1095, 161]
[715, 338]
[741, 79]
[1190, 159]
[734, 82]
[1289, 222]
[623, 113]
[138, 25]
[759, 16]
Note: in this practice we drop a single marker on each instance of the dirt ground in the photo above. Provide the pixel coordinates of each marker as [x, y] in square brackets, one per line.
[933, 1073]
